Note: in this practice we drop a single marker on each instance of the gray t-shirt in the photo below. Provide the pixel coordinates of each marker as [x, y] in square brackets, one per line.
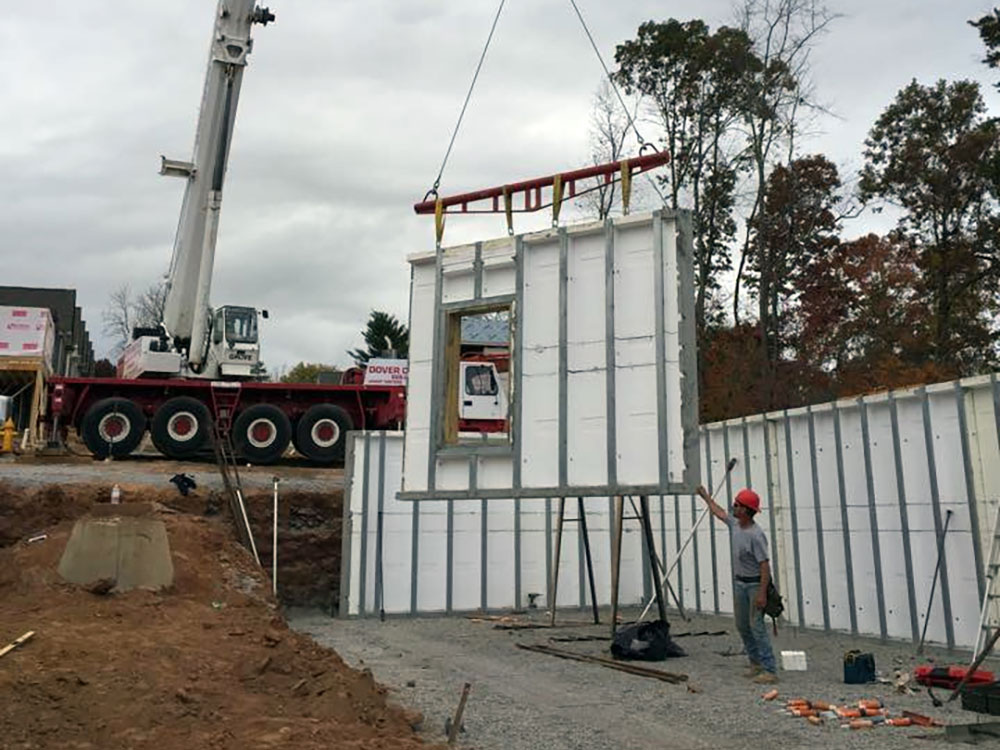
[749, 548]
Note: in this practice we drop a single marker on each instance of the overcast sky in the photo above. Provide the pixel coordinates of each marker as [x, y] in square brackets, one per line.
[344, 117]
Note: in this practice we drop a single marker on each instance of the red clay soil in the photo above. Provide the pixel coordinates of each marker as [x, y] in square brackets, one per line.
[208, 663]
[309, 526]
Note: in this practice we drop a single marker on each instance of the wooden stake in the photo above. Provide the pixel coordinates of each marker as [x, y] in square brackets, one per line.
[616, 558]
[554, 583]
[457, 721]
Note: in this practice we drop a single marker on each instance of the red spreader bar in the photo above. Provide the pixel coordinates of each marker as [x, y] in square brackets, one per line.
[502, 197]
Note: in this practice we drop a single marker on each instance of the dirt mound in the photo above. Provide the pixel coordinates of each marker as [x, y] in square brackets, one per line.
[208, 663]
[24, 512]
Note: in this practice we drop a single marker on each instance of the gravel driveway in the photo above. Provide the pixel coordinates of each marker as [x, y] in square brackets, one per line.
[154, 471]
[521, 699]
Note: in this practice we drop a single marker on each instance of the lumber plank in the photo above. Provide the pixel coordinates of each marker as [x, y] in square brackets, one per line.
[18, 642]
[636, 669]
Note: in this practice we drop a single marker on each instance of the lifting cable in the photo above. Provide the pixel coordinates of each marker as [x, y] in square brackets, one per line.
[468, 96]
[611, 80]
[626, 181]
[626, 175]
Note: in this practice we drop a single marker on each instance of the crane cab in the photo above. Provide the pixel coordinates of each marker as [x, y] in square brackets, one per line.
[235, 340]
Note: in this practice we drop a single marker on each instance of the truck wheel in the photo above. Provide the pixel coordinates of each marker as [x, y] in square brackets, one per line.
[261, 433]
[180, 427]
[321, 433]
[112, 427]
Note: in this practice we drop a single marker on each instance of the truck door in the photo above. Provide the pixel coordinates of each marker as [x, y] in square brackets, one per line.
[481, 396]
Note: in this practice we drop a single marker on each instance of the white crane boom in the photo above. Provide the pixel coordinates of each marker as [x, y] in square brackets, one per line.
[188, 319]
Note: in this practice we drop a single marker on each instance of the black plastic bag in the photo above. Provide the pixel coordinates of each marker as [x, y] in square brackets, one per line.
[645, 641]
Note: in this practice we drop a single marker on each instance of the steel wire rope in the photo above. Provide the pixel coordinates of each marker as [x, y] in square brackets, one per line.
[642, 143]
[468, 96]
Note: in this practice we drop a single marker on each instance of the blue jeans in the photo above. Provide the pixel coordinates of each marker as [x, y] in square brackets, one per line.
[750, 623]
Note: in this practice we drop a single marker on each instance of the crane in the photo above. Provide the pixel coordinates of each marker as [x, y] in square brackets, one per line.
[193, 340]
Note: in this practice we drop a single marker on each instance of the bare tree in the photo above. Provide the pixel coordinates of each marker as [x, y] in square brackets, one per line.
[124, 313]
[118, 318]
[777, 92]
[149, 305]
[609, 126]
[692, 80]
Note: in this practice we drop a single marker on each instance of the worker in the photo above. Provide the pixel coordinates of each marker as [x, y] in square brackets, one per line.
[752, 573]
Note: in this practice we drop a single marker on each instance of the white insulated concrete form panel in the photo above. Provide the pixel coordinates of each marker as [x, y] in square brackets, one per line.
[856, 496]
[603, 382]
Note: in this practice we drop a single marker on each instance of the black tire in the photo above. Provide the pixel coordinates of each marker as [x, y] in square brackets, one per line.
[321, 433]
[112, 427]
[261, 433]
[181, 427]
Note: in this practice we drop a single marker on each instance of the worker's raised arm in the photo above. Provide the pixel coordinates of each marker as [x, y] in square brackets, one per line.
[717, 510]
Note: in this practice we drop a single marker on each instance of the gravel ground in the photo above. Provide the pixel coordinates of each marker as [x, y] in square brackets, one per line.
[154, 470]
[523, 699]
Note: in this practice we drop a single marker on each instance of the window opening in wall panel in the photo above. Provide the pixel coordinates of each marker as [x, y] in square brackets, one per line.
[477, 370]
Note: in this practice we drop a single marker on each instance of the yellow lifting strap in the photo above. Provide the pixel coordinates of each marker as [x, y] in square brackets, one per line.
[439, 220]
[508, 208]
[626, 185]
[557, 196]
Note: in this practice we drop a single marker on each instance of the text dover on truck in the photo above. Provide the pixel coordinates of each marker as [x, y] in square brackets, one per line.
[387, 372]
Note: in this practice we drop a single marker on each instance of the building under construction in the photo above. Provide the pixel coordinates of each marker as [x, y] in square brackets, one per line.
[42, 333]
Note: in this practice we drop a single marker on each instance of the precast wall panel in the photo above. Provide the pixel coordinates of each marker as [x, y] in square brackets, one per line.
[603, 381]
[891, 517]
[857, 509]
[869, 480]
[946, 438]
[831, 500]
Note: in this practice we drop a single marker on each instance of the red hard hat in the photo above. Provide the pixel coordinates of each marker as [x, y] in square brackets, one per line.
[748, 499]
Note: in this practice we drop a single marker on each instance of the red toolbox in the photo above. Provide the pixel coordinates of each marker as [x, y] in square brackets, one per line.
[949, 677]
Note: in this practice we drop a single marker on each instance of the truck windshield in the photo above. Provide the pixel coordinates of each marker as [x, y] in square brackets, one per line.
[241, 326]
[479, 380]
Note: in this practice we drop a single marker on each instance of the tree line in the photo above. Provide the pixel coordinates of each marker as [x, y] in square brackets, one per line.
[790, 311]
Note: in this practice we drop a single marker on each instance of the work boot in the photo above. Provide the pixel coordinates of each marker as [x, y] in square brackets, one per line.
[753, 670]
[766, 678]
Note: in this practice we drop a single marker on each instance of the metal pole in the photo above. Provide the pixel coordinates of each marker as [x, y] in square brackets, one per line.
[647, 528]
[975, 664]
[930, 602]
[274, 542]
[590, 563]
[661, 569]
[690, 536]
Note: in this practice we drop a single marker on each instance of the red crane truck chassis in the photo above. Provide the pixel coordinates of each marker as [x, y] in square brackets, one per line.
[111, 415]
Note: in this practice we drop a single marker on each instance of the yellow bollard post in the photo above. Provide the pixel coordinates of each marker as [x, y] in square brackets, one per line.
[7, 440]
